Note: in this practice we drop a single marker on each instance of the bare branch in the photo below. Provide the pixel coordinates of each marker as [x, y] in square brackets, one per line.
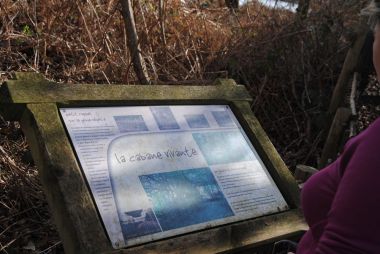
[133, 42]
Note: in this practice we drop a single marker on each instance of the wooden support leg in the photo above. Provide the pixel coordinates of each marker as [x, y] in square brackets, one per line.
[331, 146]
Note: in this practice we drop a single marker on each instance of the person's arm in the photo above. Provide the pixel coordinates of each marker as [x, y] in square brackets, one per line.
[353, 224]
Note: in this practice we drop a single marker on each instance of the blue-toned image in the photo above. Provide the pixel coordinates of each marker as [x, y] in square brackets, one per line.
[130, 123]
[197, 121]
[185, 197]
[139, 223]
[164, 118]
[223, 118]
[223, 147]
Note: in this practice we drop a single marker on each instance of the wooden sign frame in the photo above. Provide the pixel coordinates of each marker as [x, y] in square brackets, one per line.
[35, 102]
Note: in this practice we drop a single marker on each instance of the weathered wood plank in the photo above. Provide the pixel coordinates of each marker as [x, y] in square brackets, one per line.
[303, 172]
[246, 234]
[35, 91]
[268, 153]
[69, 199]
[334, 138]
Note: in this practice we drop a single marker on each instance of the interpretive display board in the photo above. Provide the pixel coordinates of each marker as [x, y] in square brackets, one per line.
[160, 171]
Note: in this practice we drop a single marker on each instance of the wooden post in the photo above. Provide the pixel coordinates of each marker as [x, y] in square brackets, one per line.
[331, 146]
[349, 66]
[342, 115]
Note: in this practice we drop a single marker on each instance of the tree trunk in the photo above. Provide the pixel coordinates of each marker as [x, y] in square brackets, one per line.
[232, 4]
[303, 8]
[161, 8]
[133, 42]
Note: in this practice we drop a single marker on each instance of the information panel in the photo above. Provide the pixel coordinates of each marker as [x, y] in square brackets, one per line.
[160, 171]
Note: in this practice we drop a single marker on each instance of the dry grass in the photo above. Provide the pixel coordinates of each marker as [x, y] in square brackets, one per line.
[25, 221]
[85, 41]
[289, 66]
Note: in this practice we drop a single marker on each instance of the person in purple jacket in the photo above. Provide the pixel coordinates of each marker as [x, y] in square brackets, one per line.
[341, 203]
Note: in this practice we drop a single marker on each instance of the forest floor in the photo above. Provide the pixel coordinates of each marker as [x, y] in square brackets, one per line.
[289, 65]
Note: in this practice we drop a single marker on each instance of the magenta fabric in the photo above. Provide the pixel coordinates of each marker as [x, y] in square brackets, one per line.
[341, 203]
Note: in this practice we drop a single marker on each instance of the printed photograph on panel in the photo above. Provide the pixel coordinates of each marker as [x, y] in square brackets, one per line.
[185, 197]
[130, 123]
[197, 121]
[164, 118]
[223, 118]
[138, 223]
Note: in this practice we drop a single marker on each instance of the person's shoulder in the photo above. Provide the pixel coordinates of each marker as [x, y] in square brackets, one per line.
[376, 123]
[367, 139]
[373, 131]
[362, 150]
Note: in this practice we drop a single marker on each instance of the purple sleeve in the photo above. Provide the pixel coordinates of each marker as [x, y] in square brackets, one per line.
[353, 223]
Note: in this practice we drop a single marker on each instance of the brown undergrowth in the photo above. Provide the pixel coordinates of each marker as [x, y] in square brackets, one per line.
[289, 66]
[25, 221]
